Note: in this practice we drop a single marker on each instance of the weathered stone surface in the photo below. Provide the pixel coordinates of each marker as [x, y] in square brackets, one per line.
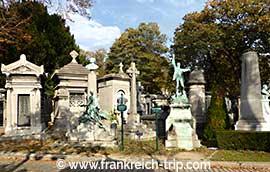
[196, 84]
[133, 117]
[251, 114]
[110, 88]
[23, 97]
[180, 128]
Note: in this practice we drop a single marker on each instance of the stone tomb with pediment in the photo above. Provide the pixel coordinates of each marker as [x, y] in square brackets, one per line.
[70, 94]
[24, 90]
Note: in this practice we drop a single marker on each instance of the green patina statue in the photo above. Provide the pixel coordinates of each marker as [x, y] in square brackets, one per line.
[180, 95]
[92, 114]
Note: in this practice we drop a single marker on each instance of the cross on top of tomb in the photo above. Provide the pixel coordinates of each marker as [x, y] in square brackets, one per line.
[74, 54]
[133, 71]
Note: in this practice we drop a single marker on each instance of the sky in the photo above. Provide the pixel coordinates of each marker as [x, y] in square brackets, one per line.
[110, 18]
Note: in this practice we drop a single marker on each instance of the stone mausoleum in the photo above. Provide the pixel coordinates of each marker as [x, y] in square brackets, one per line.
[110, 88]
[23, 112]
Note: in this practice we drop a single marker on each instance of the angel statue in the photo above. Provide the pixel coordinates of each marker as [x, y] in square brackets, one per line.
[92, 113]
[179, 77]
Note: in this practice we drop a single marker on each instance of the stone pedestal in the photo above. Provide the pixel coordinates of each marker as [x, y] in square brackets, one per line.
[251, 114]
[92, 83]
[92, 134]
[180, 128]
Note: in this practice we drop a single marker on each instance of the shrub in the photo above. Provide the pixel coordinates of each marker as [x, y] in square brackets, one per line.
[216, 118]
[243, 140]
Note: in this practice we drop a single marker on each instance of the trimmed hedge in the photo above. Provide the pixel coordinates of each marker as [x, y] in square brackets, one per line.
[243, 140]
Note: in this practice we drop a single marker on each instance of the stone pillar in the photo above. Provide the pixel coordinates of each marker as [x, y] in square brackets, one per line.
[133, 94]
[197, 98]
[8, 112]
[251, 116]
[92, 77]
[37, 126]
[92, 83]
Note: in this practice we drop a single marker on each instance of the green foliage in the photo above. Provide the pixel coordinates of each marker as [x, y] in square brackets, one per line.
[216, 117]
[215, 38]
[114, 117]
[45, 39]
[49, 87]
[145, 46]
[244, 140]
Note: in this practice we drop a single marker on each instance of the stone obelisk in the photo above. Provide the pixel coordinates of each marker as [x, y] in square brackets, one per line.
[251, 115]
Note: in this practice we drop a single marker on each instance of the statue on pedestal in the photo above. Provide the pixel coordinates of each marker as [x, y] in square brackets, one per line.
[180, 95]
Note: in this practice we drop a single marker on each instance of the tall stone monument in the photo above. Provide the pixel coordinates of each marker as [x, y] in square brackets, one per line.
[92, 76]
[133, 117]
[251, 114]
[134, 129]
[196, 84]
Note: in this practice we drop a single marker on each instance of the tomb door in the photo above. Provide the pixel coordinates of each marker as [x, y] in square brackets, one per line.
[1, 113]
[24, 114]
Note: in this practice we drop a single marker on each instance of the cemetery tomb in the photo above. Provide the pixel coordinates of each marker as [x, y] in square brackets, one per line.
[24, 91]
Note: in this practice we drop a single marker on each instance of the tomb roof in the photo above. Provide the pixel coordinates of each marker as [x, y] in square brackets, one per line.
[72, 68]
[196, 77]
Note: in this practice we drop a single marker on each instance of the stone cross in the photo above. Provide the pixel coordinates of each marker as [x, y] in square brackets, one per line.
[133, 95]
[73, 54]
[121, 68]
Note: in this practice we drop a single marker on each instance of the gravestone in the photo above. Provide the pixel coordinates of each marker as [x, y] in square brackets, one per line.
[251, 114]
[134, 128]
[24, 91]
[140, 107]
[133, 116]
[196, 84]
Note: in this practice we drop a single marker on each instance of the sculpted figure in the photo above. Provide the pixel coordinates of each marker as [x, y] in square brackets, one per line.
[178, 76]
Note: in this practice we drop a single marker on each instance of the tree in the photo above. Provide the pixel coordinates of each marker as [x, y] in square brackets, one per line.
[48, 42]
[62, 7]
[215, 38]
[12, 24]
[217, 118]
[145, 46]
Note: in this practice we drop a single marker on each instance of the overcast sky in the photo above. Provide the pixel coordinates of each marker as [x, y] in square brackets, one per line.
[111, 17]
